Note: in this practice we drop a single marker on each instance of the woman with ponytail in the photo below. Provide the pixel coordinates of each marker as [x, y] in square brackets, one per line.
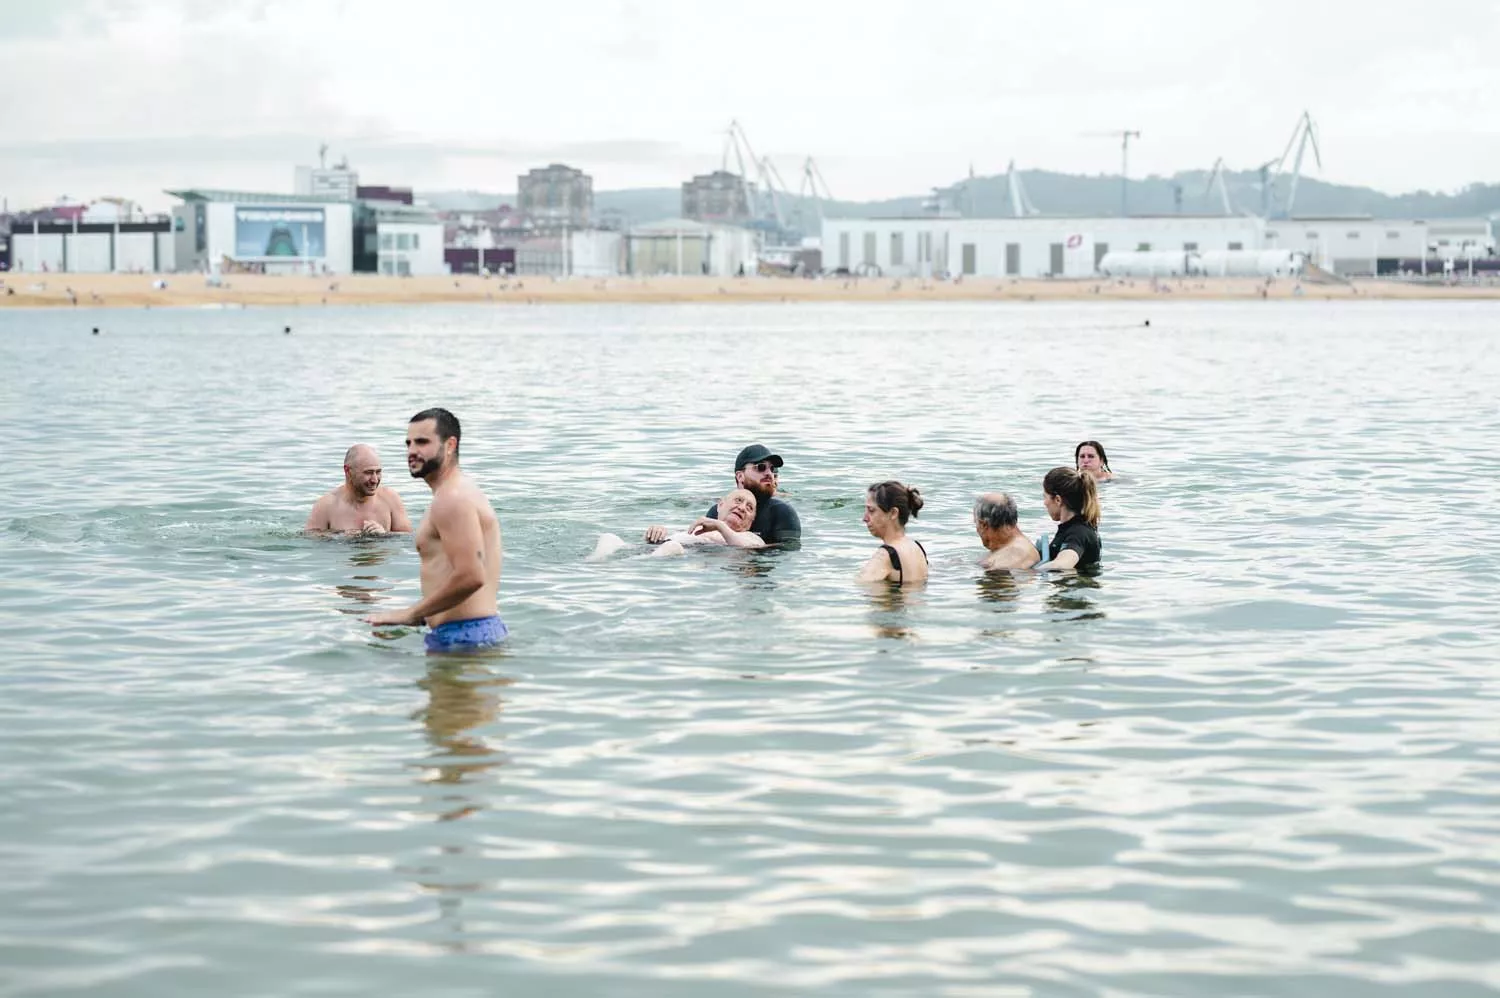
[899, 559]
[1072, 500]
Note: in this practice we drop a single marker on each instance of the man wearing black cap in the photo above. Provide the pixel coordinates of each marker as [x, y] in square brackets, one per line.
[757, 469]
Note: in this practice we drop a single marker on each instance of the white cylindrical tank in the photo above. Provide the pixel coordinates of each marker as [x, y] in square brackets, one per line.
[1251, 263]
[1148, 263]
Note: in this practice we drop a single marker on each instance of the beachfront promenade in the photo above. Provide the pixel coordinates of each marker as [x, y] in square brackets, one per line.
[141, 290]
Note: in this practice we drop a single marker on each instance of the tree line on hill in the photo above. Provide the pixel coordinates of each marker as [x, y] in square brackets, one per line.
[1062, 194]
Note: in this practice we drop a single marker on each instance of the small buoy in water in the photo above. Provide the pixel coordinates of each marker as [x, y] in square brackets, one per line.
[1148, 322]
[96, 330]
[287, 330]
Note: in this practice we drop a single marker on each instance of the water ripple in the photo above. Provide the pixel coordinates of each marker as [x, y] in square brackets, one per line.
[1256, 754]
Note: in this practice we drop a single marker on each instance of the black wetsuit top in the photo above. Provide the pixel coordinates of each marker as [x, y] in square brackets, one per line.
[896, 559]
[1078, 536]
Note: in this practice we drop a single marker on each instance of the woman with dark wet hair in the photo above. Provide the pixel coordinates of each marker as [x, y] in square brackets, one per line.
[1072, 500]
[899, 559]
[1089, 457]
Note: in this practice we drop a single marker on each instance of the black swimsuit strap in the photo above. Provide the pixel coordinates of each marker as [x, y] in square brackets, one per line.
[920, 548]
[895, 561]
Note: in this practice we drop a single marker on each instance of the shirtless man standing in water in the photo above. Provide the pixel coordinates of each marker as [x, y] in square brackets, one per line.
[361, 505]
[459, 541]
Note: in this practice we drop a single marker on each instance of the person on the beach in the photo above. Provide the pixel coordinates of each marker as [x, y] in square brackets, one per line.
[996, 521]
[900, 559]
[732, 529]
[1072, 500]
[361, 505]
[776, 522]
[1089, 456]
[459, 543]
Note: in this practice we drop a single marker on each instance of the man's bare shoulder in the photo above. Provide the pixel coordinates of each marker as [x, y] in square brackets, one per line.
[390, 495]
[1014, 555]
[466, 492]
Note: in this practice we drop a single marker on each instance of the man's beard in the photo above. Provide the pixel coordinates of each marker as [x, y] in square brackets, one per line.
[760, 492]
[430, 466]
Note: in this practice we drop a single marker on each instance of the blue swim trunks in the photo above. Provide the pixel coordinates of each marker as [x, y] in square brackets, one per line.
[466, 635]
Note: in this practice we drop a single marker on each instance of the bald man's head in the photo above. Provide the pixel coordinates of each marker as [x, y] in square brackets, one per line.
[362, 470]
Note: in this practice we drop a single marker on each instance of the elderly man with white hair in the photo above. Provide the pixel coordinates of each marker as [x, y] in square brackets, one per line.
[995, 520]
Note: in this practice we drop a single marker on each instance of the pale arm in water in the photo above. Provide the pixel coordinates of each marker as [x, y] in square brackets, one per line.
[318, 519]
[732, 537]
[877, 568]
[1066, 558]
[400, 522]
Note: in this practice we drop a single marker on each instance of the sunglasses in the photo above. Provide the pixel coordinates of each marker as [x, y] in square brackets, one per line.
[765, 466]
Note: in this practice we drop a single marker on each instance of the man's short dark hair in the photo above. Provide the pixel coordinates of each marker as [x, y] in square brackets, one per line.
[447, 424]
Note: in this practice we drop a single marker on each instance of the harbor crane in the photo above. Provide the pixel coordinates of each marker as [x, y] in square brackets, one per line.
[1216, 182]
[1124, 135]
[1020, 203]
[762, 196]
[1264, 172]
[811, 188]
[1304, 135]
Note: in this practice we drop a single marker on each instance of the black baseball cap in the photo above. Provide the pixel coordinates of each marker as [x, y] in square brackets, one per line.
[756, 453]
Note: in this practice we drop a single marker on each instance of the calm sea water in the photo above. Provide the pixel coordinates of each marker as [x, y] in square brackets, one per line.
[1257, 754]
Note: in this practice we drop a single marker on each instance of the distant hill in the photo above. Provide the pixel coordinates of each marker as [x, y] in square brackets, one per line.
[1059, 194]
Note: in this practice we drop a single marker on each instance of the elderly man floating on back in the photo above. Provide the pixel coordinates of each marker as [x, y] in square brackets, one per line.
[995, 520]
[361, 505]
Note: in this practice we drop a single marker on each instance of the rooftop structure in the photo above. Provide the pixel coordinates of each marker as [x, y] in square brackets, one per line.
[556, 196]
[719, 196]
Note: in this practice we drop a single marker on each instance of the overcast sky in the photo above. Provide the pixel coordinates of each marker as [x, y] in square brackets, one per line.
[129, 97]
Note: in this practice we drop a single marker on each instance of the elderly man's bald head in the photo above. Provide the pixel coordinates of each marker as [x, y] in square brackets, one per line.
[362, 469]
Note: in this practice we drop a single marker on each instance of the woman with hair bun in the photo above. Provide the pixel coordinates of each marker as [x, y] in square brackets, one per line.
[1072, 500]
[1089, 457]
[899, 559]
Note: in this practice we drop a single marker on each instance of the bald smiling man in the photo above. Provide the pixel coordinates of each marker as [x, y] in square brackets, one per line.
[361, 505]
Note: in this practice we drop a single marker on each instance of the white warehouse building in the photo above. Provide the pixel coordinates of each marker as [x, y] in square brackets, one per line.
[1361, 245]
[1019, 247]
[1043, 246]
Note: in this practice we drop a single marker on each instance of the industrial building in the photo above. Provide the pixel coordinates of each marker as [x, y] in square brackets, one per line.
[1016, 247]
[92, 247]
[556, 197]
[1042, 246]
[717, 197]
[685, 246]
[1363, 246]
[271, 233]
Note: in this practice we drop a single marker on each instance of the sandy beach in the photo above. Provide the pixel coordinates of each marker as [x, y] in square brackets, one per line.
[246, 290]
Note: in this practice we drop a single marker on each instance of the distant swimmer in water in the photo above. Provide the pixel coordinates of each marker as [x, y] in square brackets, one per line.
[1072, 500]
[996, 521]
[1089, 457]
[458, 541]
[758, 470]
[732, 528]
[361, 505]
[900, 559]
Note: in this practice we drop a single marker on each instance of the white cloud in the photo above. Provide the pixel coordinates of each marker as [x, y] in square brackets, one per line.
[892, 99]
